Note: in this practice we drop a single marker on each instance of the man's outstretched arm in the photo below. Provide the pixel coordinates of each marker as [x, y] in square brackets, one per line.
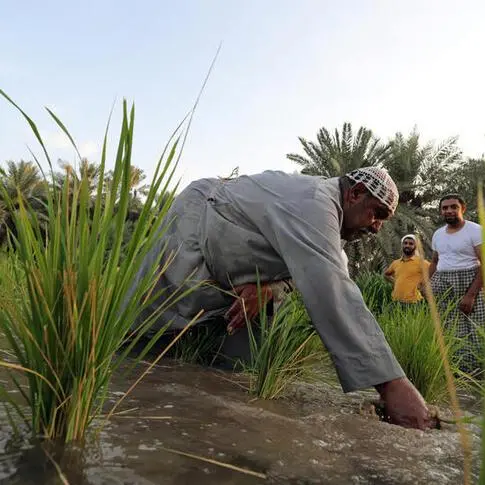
[307, 236]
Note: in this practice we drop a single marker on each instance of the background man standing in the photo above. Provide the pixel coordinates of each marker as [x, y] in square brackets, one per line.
[406, 273]
[456, 275]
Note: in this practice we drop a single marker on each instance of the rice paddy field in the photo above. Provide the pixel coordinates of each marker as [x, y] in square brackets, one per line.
[86, 401]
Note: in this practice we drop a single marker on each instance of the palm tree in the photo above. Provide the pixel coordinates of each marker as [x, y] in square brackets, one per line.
[86, 169]
[23, 183]
[421, 173]
[333, 156]
[137, 177]
[91, 171]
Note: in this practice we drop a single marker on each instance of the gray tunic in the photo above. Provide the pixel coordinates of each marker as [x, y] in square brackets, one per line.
[286, 226]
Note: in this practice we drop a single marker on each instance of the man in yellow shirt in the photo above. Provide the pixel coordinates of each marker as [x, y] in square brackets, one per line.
[406, 273]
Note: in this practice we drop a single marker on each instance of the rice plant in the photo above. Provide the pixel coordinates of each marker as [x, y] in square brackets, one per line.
[410, 332]
[79, 307]
[284, 347]
[376, 290]
[201, 344]
[12, 281]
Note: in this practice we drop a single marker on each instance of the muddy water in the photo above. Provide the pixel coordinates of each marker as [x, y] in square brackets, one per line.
[315, 436]
[181, 407]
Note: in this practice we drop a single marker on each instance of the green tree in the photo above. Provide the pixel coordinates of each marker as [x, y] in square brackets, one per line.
[23, 182]
[90, 170]
[335, 155]
[421, 173]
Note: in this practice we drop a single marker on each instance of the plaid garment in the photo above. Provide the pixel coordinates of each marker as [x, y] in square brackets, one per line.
[449, 287]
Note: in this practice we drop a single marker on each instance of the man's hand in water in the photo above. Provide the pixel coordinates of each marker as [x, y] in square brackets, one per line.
[246, 305]
[405, 406]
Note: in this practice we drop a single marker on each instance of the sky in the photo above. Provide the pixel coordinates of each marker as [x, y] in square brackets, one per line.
[285, 69]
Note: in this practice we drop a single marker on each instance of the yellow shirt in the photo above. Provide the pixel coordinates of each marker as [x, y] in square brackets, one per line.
[408, 276]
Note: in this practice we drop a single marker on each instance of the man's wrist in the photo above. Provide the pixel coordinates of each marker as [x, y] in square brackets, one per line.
[385, 387]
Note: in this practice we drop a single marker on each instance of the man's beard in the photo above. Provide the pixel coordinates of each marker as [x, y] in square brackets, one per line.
[452, 220]
[408, 251]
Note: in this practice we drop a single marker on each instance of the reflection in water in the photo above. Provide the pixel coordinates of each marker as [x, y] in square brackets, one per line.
[41, 463]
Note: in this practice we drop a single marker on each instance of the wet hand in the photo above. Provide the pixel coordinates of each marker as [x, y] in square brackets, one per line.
[246, 306]
[466, 304]
[405, 406]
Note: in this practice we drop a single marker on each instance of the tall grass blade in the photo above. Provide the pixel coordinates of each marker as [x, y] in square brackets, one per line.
[64, 129]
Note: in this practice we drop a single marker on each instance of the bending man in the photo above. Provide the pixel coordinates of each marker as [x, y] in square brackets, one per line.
[283, 226]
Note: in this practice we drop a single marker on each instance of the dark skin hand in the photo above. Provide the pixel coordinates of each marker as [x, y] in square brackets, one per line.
[467, 303]
[246, 306]
[405, 406]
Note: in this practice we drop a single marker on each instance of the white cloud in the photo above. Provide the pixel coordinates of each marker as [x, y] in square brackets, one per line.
[59, 146]
[88, 148]
[56, 140]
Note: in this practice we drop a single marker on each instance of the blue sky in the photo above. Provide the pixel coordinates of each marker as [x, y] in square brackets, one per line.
[285, 69]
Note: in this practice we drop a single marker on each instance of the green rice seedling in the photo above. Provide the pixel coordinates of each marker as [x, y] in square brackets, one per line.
[284, 347]
[12, 280]
[376, 290]
[201, 344]
[79, 306]
[411, 335]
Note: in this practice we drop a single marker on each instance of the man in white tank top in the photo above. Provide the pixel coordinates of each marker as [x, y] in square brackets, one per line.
[456, 275]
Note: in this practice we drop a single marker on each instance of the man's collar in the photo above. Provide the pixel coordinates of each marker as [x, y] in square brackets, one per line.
[412, 258]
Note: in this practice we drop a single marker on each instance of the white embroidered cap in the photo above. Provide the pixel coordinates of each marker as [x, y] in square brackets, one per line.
[379, 183]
